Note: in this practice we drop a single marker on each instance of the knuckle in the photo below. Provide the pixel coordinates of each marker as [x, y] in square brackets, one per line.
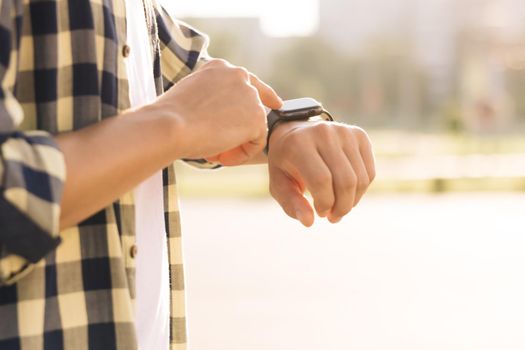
[241, 72]
[352, 179]
[361, 134]
[372, 175]
[322, 179]
[258, 112]
[252, 93]
[352, 137]
[340, 127]
[218, 62]
[350, 183]
[346, 188]
[363, 184]
[324, 129]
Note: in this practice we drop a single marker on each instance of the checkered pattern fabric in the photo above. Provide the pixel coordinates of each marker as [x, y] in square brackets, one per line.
[63, 67]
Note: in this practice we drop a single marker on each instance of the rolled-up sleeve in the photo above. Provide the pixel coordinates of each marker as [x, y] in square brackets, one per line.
[32, 174]
[183, 50]
[182, 47]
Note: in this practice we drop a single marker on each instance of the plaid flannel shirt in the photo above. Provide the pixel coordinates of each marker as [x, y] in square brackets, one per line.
[62, 67]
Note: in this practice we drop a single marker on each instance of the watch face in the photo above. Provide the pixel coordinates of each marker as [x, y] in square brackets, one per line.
[300, 108]
[299, 104]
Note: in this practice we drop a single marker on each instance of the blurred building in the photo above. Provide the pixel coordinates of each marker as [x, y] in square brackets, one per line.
[424, 31]
[465, 48]
[489, 46]
[348, 25]
[416, 63]
[240, 40]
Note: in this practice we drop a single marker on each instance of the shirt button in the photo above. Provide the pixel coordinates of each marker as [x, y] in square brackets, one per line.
[133, 251]
[126, 50]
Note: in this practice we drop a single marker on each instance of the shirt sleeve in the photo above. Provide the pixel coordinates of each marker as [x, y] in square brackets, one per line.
[32, 173]
[183, 49]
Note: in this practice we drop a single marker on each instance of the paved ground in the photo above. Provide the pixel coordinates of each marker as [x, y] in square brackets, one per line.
[407, 273]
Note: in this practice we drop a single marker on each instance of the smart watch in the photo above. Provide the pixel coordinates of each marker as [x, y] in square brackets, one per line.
[295, 110]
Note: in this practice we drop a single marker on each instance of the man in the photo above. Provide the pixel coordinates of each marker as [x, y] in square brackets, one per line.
[86, 149]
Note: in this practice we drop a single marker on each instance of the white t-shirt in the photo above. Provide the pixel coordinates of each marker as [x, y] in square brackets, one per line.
[152, 267]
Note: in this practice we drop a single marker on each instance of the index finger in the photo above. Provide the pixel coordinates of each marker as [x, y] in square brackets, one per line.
[267, 95]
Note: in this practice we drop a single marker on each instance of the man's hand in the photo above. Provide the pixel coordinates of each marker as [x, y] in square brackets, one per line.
[219, 112]
[333, 161]
[215, 111]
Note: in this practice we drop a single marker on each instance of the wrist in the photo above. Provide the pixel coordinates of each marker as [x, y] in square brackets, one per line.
[167, 125]
[281, 129]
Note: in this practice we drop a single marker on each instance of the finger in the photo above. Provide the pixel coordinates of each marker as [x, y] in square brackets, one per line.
[268, 95]
[367, 156]
[290, 196]
[358, 165]
[344, 180]
[317, 178]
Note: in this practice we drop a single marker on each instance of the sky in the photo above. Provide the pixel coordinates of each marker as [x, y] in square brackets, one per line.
[278, 17]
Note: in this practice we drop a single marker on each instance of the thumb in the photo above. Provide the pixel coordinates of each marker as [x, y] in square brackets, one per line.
[289, 195]
[239, 155]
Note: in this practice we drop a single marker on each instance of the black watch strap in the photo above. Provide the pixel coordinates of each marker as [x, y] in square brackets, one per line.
[272, 119]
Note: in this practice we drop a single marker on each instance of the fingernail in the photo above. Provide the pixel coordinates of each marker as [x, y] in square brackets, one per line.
[335, 220]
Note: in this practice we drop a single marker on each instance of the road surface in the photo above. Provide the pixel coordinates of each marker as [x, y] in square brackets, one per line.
[401, 273]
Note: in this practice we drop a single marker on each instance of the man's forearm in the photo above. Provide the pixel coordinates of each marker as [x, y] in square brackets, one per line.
[108, 159]
[215, 109]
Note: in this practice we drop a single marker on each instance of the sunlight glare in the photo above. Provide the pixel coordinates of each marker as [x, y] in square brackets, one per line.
[279, 18]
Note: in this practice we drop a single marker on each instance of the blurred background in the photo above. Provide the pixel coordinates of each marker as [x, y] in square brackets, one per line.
[434, 257]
